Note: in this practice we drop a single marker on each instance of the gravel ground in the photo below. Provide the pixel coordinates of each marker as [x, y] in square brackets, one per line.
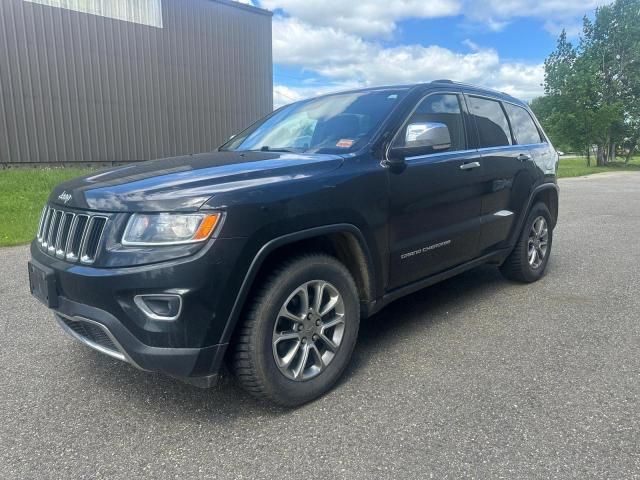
[475, 377]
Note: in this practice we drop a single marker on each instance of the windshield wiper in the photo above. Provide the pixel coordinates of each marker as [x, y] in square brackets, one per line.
[266, 148]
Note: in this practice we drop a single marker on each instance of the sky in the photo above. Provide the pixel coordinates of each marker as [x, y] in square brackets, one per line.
[331, 45]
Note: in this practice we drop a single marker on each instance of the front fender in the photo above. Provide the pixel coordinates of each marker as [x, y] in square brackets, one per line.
[278, 242]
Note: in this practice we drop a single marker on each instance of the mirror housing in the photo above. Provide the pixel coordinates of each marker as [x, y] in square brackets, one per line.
[421, 139]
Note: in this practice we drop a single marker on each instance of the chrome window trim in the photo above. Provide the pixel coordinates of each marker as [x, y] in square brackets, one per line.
[533, 117]
[441, 154]
[511, 147]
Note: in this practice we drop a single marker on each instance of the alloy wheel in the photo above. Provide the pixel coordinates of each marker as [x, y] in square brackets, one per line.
[538, 243]
[308, 331]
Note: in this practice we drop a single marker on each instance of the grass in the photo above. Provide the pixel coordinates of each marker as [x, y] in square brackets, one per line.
[577, 167]
[23, 193]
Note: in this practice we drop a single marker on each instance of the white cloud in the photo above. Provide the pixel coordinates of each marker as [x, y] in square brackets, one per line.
[379, 19]
[338, 43]
[545, 9]
[369, 18]
[297, 43]
[557, 14]
[343, 58]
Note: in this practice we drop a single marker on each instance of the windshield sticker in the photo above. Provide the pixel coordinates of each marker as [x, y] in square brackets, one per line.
[344, 143]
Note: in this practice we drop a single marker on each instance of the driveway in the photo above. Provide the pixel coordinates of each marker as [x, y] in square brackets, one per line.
[475, 377]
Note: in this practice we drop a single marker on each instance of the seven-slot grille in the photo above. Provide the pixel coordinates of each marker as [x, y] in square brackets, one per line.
[70, 236]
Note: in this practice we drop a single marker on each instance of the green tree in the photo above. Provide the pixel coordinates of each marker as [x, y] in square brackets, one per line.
[592, 91]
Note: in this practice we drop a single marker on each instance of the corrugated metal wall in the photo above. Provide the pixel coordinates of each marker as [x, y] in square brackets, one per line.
[81, 88]
[145, 12]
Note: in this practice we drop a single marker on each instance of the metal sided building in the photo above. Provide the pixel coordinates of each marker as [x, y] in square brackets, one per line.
[114, 81]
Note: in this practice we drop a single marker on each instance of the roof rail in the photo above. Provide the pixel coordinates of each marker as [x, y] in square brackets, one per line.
[444, 80]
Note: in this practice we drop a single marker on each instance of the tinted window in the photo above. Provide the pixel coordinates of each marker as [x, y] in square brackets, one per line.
[492, 123]
[524, 129]
[440, 108]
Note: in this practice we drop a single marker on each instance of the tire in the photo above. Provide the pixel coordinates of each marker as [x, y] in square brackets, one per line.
[262, 359]
[519, 266]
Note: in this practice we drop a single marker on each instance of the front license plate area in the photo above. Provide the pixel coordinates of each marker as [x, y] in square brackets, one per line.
[42, 282]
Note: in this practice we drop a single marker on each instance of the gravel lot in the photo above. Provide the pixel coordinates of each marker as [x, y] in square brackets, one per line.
[476, 377]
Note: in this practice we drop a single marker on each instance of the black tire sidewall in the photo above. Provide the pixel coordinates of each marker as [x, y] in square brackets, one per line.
[533, 274]
[279, 387]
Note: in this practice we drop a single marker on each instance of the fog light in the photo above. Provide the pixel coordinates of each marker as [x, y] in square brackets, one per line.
[159, 306]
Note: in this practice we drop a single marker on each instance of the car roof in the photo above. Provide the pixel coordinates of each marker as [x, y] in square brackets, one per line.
[471, 89]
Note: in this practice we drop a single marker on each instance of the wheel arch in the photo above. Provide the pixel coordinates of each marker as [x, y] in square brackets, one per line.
[546, 193]
[344, 241]
[548, 196]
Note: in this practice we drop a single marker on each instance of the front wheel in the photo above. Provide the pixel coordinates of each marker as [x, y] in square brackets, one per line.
[299, 331]
[528, 260]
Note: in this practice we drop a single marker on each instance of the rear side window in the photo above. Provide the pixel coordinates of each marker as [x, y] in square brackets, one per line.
[524, 129]
[491, 121]
[439, 108]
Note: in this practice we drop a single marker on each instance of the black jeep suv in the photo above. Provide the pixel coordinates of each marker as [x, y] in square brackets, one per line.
[266, 253]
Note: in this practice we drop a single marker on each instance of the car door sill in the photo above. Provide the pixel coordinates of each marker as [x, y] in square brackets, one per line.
[497, 257]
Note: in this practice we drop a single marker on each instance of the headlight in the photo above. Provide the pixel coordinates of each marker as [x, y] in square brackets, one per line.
[169, 228]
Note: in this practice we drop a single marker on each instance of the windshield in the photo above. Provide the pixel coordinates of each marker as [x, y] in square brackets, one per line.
[332, 124]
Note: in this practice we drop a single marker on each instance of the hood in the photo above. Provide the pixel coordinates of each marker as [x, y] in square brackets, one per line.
[186, 183]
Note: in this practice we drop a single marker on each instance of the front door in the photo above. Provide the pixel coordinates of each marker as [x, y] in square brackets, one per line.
[435, 201]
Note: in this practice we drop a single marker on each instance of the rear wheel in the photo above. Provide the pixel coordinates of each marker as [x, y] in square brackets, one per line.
[299, 332]
[528, 261]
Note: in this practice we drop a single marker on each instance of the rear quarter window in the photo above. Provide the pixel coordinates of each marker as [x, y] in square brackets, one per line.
[524, 128]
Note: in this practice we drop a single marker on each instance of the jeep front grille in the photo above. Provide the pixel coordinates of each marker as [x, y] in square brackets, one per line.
[69, 235]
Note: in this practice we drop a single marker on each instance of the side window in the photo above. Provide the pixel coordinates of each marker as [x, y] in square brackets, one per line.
[492, 123]
[524, 129]
[442, 109]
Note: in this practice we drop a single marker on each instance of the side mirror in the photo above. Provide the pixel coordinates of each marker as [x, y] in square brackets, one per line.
[429, 134]
[421, 139]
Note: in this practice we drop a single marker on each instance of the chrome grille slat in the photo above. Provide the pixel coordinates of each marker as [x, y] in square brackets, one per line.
[71, 236]
[63, 219]
[93, 238]
[63, 234]
[72, 231]
[73, 254]
[53, 231]
[43, 215]
[45, 228]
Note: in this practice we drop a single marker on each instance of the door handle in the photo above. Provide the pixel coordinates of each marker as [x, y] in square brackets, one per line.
[523, 157]
[469, 166]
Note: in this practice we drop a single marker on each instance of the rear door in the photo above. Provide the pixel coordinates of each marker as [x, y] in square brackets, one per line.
[507, 170]
[435, 201]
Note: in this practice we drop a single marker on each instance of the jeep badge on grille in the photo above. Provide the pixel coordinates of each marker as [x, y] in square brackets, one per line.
[64, 197]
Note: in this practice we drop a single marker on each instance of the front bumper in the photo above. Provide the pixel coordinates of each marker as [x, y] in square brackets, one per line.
[96, 306]
[101, 331]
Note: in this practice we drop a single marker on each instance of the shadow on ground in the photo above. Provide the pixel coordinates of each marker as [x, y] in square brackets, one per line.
[415, 314]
